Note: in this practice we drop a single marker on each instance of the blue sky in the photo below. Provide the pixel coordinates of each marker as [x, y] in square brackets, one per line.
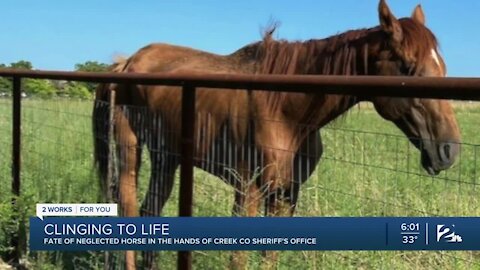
[56, 34]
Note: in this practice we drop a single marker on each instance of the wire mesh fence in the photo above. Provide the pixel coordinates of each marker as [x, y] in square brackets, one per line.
[6, 226]
[6, 142]
[57, 167]
[368, 168]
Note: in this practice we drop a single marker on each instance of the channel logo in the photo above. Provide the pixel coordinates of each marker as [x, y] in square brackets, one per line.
[447, 234]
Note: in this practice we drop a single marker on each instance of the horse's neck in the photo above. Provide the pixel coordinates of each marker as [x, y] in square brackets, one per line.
[343, 54]
[299, 114]
[347, 55]
[317, 110]
[248, 53]
[323, 109]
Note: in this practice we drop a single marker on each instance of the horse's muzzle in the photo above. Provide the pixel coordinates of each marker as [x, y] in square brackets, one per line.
[437, 157]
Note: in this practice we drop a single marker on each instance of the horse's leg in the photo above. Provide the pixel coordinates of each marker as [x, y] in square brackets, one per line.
[162, 177]
[159, 190]
[129, 152]
[307, 158]
[280, 144]
[247, 195]
[281, 200]
[247, 201]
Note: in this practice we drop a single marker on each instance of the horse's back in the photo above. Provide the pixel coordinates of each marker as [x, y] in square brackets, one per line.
[167, 58]
[215, 107]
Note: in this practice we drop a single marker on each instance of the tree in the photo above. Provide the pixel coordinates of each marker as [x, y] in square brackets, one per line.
[5, 83]
[5, 86]
[39, 88]
[77, 90]
[22, 64]
[91, 66]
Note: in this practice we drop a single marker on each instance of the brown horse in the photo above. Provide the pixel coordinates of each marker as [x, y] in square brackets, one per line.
[275, 134]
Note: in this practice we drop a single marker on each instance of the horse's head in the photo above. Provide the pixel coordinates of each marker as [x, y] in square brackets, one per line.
[411, 49]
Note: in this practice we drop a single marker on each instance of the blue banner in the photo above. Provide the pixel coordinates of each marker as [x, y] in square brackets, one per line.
[229, 233]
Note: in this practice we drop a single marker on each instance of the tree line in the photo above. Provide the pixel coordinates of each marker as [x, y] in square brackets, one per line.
[50, 88]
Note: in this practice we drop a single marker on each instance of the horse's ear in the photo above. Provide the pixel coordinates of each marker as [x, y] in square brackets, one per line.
[389, 23]
[418, 14]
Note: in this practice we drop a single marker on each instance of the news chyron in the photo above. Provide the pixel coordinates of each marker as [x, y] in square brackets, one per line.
[97, 226]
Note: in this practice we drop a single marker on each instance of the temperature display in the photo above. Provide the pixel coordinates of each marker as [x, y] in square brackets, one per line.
[410, 232]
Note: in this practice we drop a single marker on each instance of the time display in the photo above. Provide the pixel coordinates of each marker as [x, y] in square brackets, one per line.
[406, 227]
[410, 232]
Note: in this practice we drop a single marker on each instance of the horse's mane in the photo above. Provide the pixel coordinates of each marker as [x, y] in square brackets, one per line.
[344, 54]
[336, 55]
[339, 54]
[331, 56]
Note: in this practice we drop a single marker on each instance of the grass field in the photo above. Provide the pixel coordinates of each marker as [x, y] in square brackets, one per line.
[368, 169]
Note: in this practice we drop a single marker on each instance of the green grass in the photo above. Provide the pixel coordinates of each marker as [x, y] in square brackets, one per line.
[368, 169]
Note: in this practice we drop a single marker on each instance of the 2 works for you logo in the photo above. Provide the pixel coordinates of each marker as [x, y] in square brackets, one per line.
[76, 209]
[447, 234]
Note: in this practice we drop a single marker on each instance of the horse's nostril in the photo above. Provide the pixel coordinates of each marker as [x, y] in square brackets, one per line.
[446, 149]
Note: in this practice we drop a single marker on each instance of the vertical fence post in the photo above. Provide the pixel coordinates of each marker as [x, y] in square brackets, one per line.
[111, 148]
[186, 162]
[15, 240]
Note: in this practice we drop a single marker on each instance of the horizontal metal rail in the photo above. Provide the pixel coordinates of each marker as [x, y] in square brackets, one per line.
[361, 86]
[365, 86]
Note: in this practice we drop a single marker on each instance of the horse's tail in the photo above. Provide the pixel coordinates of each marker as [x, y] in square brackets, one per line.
[101, 126]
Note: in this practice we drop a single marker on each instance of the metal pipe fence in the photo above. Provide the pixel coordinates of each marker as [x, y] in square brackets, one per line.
[438, 88]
